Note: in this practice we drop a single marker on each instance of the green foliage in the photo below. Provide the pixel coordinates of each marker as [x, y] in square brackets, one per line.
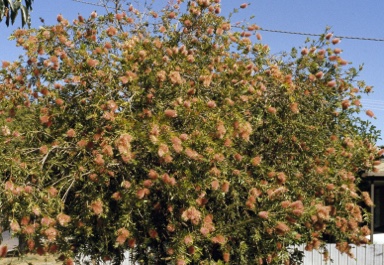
[175, 137]
[9, 10]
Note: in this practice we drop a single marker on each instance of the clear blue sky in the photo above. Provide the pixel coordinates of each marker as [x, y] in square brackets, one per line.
[354, 18]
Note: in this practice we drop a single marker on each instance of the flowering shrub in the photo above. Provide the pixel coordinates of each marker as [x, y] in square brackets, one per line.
[181, 139]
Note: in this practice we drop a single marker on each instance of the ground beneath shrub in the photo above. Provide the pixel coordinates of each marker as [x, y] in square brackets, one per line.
[29, 260]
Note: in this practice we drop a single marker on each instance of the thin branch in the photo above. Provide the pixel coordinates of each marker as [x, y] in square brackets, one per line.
[67, 191]
[46, 156]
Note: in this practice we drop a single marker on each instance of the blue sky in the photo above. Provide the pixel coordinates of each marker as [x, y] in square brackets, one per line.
[353, 18]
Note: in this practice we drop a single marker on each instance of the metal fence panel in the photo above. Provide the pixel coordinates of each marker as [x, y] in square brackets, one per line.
[363, 255]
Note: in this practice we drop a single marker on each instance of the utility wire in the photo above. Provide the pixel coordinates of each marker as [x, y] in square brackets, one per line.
[275, 30]
[88, 3]
[319, 35]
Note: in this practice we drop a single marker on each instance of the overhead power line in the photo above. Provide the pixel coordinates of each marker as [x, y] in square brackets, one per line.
[88, 3]
[318, 35]
[272, 30]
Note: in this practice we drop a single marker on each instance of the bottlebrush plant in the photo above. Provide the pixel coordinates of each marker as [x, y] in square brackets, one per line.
[178, 137]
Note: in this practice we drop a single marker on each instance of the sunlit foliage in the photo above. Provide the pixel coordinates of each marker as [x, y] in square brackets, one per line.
[176, 135]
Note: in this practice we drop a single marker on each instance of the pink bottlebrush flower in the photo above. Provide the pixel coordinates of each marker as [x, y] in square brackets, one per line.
[294, 108]
[345, 104]
[331, 83]
[215, 184]
[192, 154]
[244, 5]
[255, 192]
[170, 228]
[108, 150]
[335, 41]
[5, 64]
[111, 31]
[191, 214]
[319, 74]
[15, 227]
[204, 231]
[120, 240]
[225, 187]
[163, 149]
[52, 191]
[51, 233]
[170, 113]
[123, 232]
[272, 110]
[175, 78]
[3, 251]
[71, 133]
[29, 229]
[215, 171]
[59, 101]
[28, 189]
[152, 174]
[181, 262]
[126, 184]
[108, 45]
[263, 215]
[256, 161]
[282, 228]
[367, 199]
[92, 62]
[44, 119]
[220, 129]
[219, 239]
[99, 160]
[304, 51]
[337, 51]
[142, 192]
[281, 177]
[63, 219]
[153, 233]
[285, 204]
[370, 113]
[328, 36]
[238, 157]
[97, 207]
[211, 104]
[188, 239]
[116, 196]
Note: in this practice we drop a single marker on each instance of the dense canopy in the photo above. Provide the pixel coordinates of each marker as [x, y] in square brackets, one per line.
[178, 136]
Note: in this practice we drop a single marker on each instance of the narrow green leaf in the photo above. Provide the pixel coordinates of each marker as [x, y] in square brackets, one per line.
[24, 16]
[2, 9]
[7, 20]
[28, 4]
[10, 3]
[16, 6]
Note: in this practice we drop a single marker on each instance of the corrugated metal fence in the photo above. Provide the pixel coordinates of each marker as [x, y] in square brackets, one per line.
[364, 255]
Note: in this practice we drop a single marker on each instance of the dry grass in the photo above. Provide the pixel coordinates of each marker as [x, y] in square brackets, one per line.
[29, 260]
